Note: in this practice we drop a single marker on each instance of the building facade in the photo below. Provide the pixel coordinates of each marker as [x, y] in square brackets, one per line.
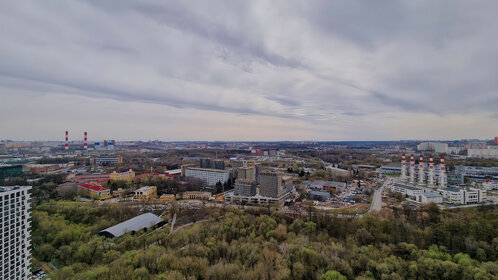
[15, 232]
[125, 176]
[146, 193]
[95, 191]
[247, 173]
[245, 187]
[270, 184]
[208, 176]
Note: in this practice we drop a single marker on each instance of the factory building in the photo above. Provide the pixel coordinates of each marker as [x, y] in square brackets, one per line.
[15, 232]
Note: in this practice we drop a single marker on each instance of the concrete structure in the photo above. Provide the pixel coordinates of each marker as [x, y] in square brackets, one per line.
[124, 176]
[463, 195]
[66, 144]
[15, 232]
[247, 173]
[106, 160]
[208, 176]
[412, 169]
[438, 147]
[411, 191]
[212, 164]
[166, 198]
[146, 193]
[245, 187]
[270, 184]
[430, 179]
[143, 221]
[195, 195]
[318, 195]
[421, 173]
[325, 185]
[429, 197]
[393, 168]
[95, 191]
[442, 174]
[85, 145]
[490, 152]
[490, 185]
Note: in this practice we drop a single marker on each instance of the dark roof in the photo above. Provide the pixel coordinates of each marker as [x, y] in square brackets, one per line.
[146, 220]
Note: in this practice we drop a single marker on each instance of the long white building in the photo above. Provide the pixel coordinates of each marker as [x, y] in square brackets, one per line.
[15, 237]
[208, 176]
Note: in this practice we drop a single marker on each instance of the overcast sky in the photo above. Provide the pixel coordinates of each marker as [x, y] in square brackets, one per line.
[249, 70]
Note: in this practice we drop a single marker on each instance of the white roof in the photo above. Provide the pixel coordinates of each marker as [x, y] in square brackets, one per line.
[146, 220]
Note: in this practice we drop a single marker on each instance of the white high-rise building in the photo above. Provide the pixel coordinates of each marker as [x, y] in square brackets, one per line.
[15, 237]
[208, 176]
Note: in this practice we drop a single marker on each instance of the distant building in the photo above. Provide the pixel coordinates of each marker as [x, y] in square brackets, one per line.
[319, 195]
[438, 147]
[106, 160]
[95, 191]
[212, 164]
[429, 197]
[124, 176]
[246, 173]
[411, 191]
[245, 187]
[146, 193]
[15, 232]
[273, 184]
[9, 170]
[196, 195]
[392, 168]
[208, 176]
[325, 185]
[166, 198]
[90, 178]
[455, 179]
[133, 225]
[338, 171]
[490, 152]
[463, 195]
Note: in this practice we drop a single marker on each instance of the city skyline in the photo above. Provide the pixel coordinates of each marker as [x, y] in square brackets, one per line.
[248, 71]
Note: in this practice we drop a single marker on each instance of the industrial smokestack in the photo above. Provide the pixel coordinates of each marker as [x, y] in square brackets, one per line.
[430, 182]
[66, 146]
[403, 167]
[442, 174]
[421, 173]
[85, 145]
[412, 169]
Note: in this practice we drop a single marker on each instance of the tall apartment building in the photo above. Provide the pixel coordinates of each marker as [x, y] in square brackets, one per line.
[208, 176]
[270, 184]
[212, 164]
[15, 237]
[245, 187]
[246, 173]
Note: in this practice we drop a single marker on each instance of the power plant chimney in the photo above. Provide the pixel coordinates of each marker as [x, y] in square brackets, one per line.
[430, 182]
[85, 145]
[421, 173]
[442, 174]
[403, 167]
[412, 169]
[66, 146]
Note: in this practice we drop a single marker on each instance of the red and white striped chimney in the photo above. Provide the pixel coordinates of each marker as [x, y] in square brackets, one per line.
[430, 182]
[66, 146]
[412, 169]
[442, 174]
[85, 145]
[421, 173]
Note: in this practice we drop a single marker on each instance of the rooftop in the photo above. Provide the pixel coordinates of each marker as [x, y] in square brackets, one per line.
[146, 220]
[92, 187]
[13, 188]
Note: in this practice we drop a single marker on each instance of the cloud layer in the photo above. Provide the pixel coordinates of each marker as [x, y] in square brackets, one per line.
[234, 70]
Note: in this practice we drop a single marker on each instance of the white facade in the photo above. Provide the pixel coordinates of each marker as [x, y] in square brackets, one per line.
[441, 148]
[482, 153]
[208, 176]
[463, 195]
[15, 237]
[407, 190]
[429, 197]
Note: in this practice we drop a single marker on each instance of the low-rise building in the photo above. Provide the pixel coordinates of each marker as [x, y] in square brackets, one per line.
[124, 176]
[456, 195]
[106, 160]
[196, 195]
[95, 191]
[166, 198]
[325, 185]
[146, 193]
[319, 195]
[429, 197]
[410, 191]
